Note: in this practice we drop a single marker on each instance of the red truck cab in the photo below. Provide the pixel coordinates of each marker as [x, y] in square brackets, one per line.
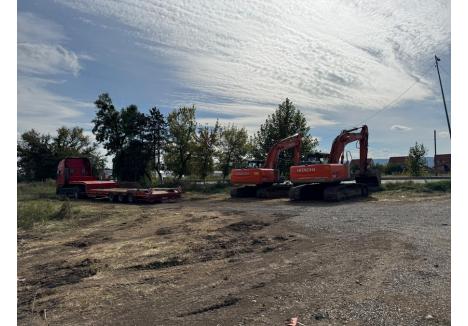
[75, 177]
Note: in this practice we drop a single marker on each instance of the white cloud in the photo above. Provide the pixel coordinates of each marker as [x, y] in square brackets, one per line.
[400, 128]
[443, 134]
[46, 59]
[33, 29]
[43, 110]
[41, 59]
[322, 54]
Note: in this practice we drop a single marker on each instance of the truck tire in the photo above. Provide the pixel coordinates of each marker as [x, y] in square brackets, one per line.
[121, 198]
[130, 199]
[112, 198]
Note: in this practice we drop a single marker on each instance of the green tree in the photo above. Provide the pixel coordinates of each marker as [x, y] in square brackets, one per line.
[207, 139]
[35, 157]
[181, 140]
[157, 137]
[107, 125]
[73, 142]
[284, 122]
[38, 154]
[416, 162]
[233, 147]
[131, 163]
[133, 125]
[123, 134]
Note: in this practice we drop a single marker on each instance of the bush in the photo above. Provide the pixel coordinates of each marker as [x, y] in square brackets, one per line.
[444, 186]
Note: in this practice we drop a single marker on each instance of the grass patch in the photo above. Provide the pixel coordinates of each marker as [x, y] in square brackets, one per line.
[41, 211]
[443, 186]
[36, 190]
[38, 204]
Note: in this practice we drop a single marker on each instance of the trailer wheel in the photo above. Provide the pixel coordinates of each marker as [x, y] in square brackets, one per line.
[130, 199]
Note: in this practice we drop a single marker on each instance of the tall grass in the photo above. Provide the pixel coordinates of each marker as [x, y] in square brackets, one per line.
[37, 204]
[443, 186]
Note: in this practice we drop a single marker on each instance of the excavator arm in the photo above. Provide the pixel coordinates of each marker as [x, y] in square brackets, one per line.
[294, 141]
[349, 136]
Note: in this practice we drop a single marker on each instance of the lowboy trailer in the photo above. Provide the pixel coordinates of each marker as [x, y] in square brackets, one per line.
[75, 179]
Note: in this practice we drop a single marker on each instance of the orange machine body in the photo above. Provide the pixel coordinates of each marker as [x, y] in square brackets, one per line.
[254, 176]
[268, 174]
[319, 173]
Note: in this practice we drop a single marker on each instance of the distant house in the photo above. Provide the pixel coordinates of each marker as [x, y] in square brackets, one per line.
[398, 161]
[442, 162]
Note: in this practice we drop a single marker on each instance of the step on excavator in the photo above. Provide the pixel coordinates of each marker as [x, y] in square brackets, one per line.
[330, 181]
[264, 181]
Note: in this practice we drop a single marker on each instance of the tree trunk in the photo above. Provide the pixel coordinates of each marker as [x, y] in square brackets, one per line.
[160, 176]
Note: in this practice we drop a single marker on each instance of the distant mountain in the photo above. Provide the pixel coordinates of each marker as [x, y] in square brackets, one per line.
[383, 161]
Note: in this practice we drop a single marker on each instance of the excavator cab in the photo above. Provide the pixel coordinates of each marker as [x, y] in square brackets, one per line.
[255, 164]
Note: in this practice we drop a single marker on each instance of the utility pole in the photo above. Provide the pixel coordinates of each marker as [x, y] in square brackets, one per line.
[435, 152]
[443, 96]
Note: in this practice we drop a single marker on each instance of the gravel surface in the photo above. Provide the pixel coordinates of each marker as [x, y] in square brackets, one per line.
[220, 261]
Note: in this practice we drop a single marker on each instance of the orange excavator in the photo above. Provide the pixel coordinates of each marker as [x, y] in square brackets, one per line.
[324, 181]
[264, 181]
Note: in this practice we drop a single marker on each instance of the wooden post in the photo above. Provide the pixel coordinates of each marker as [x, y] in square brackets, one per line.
[435, 152]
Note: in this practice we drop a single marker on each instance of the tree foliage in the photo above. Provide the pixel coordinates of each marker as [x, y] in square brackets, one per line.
[124, 134]
[157, 136]
[416, 162]
[131, 162]
[38, 154]
[181, 140]
[233, 147]
[284, 122]
[107, 127]
[205, 149]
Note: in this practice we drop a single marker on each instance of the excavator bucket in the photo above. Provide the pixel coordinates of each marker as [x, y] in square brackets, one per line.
[371, 178]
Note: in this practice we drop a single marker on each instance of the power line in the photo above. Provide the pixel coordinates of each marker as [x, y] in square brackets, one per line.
[397, 98]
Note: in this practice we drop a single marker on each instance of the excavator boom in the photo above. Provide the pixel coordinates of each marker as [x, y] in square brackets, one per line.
[261, 182]
[293, 141]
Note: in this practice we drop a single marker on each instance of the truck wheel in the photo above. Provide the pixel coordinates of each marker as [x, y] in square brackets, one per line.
[76, 194]
[130, 199]
[111, 198]
[121, 198]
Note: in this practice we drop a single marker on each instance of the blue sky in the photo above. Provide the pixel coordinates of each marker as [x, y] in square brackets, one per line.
[338, 61]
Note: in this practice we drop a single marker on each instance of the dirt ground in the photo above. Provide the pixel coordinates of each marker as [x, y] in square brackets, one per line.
[222, 261]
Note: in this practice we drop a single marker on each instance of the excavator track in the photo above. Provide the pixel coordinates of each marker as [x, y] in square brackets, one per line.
[266, 192]
[328, 192]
